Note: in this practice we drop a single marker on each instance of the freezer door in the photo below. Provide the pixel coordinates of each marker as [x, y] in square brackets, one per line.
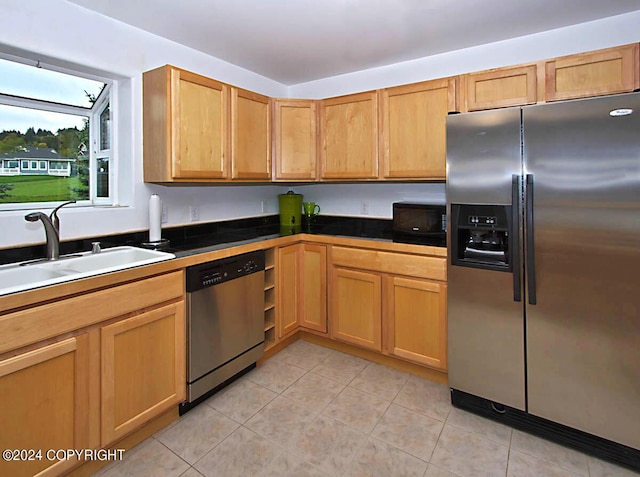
[485, 323]
[583, 333]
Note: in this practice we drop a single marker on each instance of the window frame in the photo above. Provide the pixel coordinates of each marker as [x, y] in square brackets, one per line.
[106, 97]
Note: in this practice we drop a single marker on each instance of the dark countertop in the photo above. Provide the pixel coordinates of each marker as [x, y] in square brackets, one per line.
[201, 238]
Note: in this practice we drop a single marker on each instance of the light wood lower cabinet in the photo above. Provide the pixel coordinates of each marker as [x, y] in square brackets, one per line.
[302, 288]
[416, 320]
[143, 369]
[288, 289]
[313, 312]
[44, 404]
[356, 308]
[83, 371]
[390, 302]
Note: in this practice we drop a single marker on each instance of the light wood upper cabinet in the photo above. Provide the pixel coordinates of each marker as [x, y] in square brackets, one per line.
[142, 368]
[295, 136]
[501, 88]
[413, 129]
[250, 135]
[185, 126]
[416, 321]
[609, 71]
[44, 404]
[349, 137]
[356, 307]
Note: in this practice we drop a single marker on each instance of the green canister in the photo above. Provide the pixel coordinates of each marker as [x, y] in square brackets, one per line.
[290, 209]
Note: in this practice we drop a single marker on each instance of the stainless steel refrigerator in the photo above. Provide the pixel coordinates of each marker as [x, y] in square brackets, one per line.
[544, 270]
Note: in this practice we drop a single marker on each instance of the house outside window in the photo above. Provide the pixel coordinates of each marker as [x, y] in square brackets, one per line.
[55, 136]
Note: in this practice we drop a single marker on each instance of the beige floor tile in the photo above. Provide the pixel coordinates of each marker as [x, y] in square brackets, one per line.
[409, 431]
[313, 391]
[241, 400]
[434, 471]
[600, 468]
[191, 472]
[196, 433]
[357, 409]
[524, 465]
[303, 354]
[148, 459]
[551, 452]
[340, 367]
[287, 465]
[244, 453]
[280, 420]
[380, 381]
[426, 397]
[469, 455]
[328, 444]
[480, 425]
[378, 459]
[275, 375]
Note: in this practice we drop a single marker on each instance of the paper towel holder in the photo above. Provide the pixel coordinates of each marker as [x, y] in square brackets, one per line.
[162, 245]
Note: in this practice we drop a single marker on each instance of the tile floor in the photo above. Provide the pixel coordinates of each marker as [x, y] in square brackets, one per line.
[312, 411]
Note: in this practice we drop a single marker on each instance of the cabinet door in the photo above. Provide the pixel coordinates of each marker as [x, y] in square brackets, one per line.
[349, 137]
[294, 140]
[288, 289]
[614, 70]
[416, 321]
[200, 129]
[501, 88]
[44, 404]
[250, 135]
[313, 312]
[413, 123]
[356, 313]
[143, 369]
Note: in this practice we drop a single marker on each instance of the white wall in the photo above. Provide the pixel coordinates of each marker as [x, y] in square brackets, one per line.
[376, 198]
[63, 33]
[612, 31]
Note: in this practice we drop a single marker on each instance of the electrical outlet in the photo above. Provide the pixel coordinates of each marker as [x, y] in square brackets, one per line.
[364, 207]
[263, 206]
[165, 214]
[194, 213]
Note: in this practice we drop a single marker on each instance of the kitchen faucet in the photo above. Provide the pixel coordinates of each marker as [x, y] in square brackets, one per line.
[51, 228]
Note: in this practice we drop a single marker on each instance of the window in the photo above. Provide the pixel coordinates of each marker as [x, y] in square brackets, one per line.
[55, 136]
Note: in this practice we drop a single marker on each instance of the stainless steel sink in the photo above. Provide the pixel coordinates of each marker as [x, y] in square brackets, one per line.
[27, 275]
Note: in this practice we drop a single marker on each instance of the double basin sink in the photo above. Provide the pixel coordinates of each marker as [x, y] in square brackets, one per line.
[18, 277]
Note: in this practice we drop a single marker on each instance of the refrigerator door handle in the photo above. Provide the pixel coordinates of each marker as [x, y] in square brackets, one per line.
[515, 236]
[531, 261]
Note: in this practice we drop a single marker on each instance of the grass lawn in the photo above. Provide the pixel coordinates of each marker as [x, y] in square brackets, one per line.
[41, 189]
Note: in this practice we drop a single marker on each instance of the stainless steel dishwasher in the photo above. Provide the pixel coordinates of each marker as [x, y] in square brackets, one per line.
[225, 322]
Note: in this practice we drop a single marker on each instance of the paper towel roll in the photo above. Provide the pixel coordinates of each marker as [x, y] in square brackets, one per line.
[155, 218]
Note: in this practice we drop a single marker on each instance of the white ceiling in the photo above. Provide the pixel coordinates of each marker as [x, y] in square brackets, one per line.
[295, 41]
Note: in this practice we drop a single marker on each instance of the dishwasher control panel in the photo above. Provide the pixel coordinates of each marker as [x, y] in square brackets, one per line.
[219, 271]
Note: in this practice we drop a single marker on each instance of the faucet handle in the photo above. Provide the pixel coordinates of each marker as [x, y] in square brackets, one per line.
[95, 247]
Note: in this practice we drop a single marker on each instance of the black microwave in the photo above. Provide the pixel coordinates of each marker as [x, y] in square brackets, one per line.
[420, 223]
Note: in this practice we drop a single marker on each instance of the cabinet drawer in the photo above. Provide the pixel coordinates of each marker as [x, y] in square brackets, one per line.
[419, 266]
[35, 324]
